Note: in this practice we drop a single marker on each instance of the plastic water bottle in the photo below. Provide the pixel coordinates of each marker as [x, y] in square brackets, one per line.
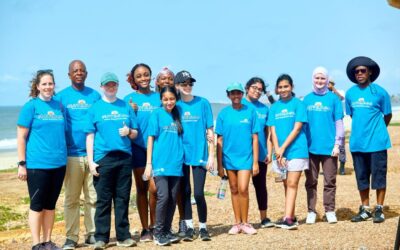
[222, 188]
[144, 177]
[283, 173]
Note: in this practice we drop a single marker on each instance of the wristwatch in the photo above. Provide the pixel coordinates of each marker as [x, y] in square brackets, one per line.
[21, 163]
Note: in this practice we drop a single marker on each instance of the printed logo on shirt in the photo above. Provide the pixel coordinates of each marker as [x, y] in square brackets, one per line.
[50, 116]
[81, 104]
[114, 116]
[261, 115]
[158, 171]
[361, 103]
[284, 114]
[318, 106]
[188, 117]
[172, 128]
[147, 107]
[245, 120]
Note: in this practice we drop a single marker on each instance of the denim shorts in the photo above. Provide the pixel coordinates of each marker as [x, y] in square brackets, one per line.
[371, 165]
[139, 156]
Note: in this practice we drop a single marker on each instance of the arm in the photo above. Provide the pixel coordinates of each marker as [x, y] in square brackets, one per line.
[334, 90]
[132, 133]
[268, 139]
[219, 156]
[387, 119]
[89, 150]
[255, 154]
[293, 134]
[22, 134]
[149, 164]
[274, 140]
[211, 150]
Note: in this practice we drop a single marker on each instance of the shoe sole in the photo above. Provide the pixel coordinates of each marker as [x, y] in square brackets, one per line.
[146, 240]
[268, 225]
[188, 239]
[126, 245]
[289, 227]
[68, 248]
[162, 244]
[370, 218]
[205, 238]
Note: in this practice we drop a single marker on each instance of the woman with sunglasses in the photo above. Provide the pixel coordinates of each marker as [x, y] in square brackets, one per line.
[325, 134]
[255, 87]
[42, 154]
[110, 128]
[237, 152]
[197, 123]
[144, 102]
[286, 120]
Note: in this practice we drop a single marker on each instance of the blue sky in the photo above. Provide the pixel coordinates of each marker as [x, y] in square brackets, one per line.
[217, 41]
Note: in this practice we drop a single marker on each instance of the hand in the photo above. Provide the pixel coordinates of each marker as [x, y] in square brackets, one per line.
[93, 168]
[256, 169]
[133, 105]
[221, 172]
[210, 164]
[22, 175]
[268, 159]
[279, 152]
[335, 151]
[148, 170]
[210, 137]
[282, 162]
[124, 131]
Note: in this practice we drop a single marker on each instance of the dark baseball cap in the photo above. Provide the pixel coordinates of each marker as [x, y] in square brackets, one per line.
[183, 76]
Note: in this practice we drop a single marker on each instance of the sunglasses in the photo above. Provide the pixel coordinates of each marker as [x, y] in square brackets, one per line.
[184, 84]
[362, 71]
[44, 71]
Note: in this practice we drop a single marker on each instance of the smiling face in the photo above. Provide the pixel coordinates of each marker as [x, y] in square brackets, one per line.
[142, 77]
[235, 96]
[255, 91]
[320, 80]
[165, 80]
[46, 87]
[284, 89]
[362, 74]
[77, 73]
[168, 101]
[185, 87]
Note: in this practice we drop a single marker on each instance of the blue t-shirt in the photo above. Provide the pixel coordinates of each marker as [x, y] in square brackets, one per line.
[76, 104]
[283, 115]
[167, 158]
[262, 117]
[45, 143]
[196, 118]
[367, 106]
[104, 120]
[237, 128]
[147, 103]
[322, 113]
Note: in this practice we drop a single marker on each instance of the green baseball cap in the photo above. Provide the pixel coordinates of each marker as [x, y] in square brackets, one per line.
[235, 86]
[108, 77]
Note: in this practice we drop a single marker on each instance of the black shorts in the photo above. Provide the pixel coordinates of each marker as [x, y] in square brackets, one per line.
[44, 186]
[139, 156]
[372, 166]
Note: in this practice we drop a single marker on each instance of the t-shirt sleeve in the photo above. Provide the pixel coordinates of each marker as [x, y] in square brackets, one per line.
[153, 125]
[219, 127]
[208, 114]
[348, 104]
[301, 112]
[89, 121]
[26, 115]
[255, 128]
[338, 108]
[132, 117]
[386, 106]
[271, 116]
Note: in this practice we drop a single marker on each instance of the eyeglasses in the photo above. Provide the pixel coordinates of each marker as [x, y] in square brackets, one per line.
[44, 71]
[362, 71]
[256, 89]
[184, 84]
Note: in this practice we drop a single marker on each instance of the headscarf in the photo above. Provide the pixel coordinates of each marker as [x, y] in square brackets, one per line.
[323, 71]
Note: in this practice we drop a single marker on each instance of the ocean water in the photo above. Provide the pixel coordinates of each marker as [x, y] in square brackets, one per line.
[9, 117]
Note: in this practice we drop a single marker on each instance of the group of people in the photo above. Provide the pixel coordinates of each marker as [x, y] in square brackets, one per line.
[94, 142]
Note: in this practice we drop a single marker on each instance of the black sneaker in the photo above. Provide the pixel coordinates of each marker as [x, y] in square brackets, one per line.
[341, 169]
[281, 223]
[289, 224]
[378, 215]
[49, 245]
[204, 235]
[146, 236]
[172, 237]
[69, 245]
[363, 215]
[90, 240]
[182, 228]
[189, 235]
[265, 223]
[38, 246]
[161, 240]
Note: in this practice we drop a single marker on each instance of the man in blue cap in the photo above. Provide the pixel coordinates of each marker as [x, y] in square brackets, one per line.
[369, 106]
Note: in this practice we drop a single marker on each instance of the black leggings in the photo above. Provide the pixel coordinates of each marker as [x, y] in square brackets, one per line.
[44, 186]
[199, 179]
[260, 185]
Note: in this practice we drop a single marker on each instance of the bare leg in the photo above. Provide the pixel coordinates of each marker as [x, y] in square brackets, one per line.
[35, 224]
[380, 196]
[48, 222]
[243, 187]
[233, 184]
[141, 197]
[364, 195]
[152, 202]
[292, 184]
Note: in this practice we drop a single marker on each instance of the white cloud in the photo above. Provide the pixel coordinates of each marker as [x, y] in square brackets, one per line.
[8, 78]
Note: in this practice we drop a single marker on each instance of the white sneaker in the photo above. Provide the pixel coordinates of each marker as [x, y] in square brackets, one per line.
[311, 217]
[331, 217]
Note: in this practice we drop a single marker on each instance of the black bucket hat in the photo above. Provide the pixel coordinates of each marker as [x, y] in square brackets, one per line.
[362, 61]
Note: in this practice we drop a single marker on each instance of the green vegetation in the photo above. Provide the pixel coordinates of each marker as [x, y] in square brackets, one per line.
[25, 200]
[9, 170]
[395, 124]
[206, 193]
[6, 216]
